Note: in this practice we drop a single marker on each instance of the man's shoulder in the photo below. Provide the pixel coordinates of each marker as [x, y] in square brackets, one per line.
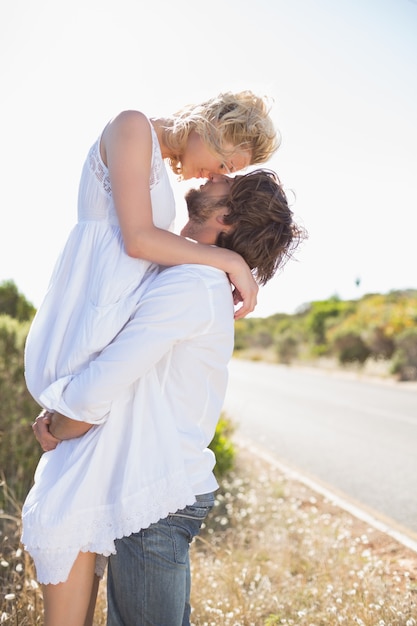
[194, 280]
[200, 293]
[193, 271]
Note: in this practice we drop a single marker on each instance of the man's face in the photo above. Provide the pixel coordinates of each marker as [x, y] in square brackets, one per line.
[206, 209]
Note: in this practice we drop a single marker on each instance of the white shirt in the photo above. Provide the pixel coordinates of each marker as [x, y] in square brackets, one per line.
[183, 328]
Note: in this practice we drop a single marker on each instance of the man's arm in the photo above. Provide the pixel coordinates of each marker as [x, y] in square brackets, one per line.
[51, 428]
[62, 427]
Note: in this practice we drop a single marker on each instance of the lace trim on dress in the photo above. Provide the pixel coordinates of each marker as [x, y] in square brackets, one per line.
[99, 170]
[54, 548]
[157, 161]
[102, 173]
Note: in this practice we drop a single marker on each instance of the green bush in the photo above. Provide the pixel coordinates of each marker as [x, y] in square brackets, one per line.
[321, 314]
[287, 347]
[380, 345]
[242, 335]
[13, 303]
[405, 356]
[19, 451]
[223, 447]
[350, 348]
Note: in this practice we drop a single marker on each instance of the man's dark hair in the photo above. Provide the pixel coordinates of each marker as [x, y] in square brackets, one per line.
[265, 234]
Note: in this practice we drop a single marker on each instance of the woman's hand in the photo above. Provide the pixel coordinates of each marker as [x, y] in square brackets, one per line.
[245, 290]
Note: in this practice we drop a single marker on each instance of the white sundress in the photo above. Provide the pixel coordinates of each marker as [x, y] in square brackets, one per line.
[94, 285]
[110, 482]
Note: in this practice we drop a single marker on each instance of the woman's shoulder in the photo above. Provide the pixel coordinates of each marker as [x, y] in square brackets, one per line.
[125, 127]
[130, 118]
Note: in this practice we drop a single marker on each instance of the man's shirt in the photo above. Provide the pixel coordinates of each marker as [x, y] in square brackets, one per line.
[177, 345]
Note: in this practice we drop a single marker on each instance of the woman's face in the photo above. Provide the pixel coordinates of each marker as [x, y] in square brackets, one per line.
[198, 161]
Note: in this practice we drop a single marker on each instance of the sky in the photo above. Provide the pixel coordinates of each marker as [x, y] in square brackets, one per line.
[342, 81]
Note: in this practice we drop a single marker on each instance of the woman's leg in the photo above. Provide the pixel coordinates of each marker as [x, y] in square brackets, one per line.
[93, 599]
[70, 603]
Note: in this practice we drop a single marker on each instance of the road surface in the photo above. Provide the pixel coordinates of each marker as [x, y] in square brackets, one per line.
[357, 437]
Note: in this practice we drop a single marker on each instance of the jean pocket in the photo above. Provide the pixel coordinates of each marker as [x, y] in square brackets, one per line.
[193, 511]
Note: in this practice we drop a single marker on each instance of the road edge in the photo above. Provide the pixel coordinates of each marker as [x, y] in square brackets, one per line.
[383, 524]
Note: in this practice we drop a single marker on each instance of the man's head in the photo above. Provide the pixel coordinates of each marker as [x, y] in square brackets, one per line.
[248, 214]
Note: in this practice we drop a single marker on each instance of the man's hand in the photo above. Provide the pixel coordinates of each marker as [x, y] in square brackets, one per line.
[51, 428]
[41, 431]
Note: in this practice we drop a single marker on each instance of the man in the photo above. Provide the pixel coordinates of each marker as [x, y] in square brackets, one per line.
[169, 367]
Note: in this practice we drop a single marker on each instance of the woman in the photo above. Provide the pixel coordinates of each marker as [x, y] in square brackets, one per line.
[125, 212]
[126, 209]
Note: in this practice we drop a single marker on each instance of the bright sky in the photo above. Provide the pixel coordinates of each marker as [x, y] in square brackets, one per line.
[343, 79]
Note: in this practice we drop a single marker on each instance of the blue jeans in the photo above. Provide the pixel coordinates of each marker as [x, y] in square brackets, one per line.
[148, 579]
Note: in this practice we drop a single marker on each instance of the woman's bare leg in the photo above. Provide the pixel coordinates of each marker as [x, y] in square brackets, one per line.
[69, 603]
[93, 599]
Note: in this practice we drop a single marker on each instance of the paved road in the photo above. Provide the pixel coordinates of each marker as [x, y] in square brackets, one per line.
[355, 436]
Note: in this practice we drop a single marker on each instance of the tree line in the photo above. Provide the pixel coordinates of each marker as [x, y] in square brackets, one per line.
[376, 327]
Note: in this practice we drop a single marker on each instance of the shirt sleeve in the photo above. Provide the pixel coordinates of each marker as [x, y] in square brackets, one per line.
[177, 306]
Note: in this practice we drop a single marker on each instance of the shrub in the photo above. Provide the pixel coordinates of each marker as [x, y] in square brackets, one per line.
[13, 303]
[223, 447]
[405, 356]
[350, 347]
[286, 347]
[321, 314]
[242, 335]
[380, 345]
[19, 451]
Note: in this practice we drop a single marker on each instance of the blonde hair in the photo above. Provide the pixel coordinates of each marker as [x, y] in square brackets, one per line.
[239, 119]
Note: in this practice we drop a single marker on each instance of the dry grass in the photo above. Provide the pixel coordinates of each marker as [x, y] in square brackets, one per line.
[20, 596]
[273, 552]
[276, 552]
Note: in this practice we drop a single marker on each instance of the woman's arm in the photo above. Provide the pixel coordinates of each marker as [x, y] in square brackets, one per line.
[127, 151]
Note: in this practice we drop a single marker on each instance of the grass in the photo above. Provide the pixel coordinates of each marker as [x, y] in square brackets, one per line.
[273, 552]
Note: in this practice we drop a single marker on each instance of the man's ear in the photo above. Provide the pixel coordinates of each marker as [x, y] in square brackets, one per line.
[220, 220]
[221, 215]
